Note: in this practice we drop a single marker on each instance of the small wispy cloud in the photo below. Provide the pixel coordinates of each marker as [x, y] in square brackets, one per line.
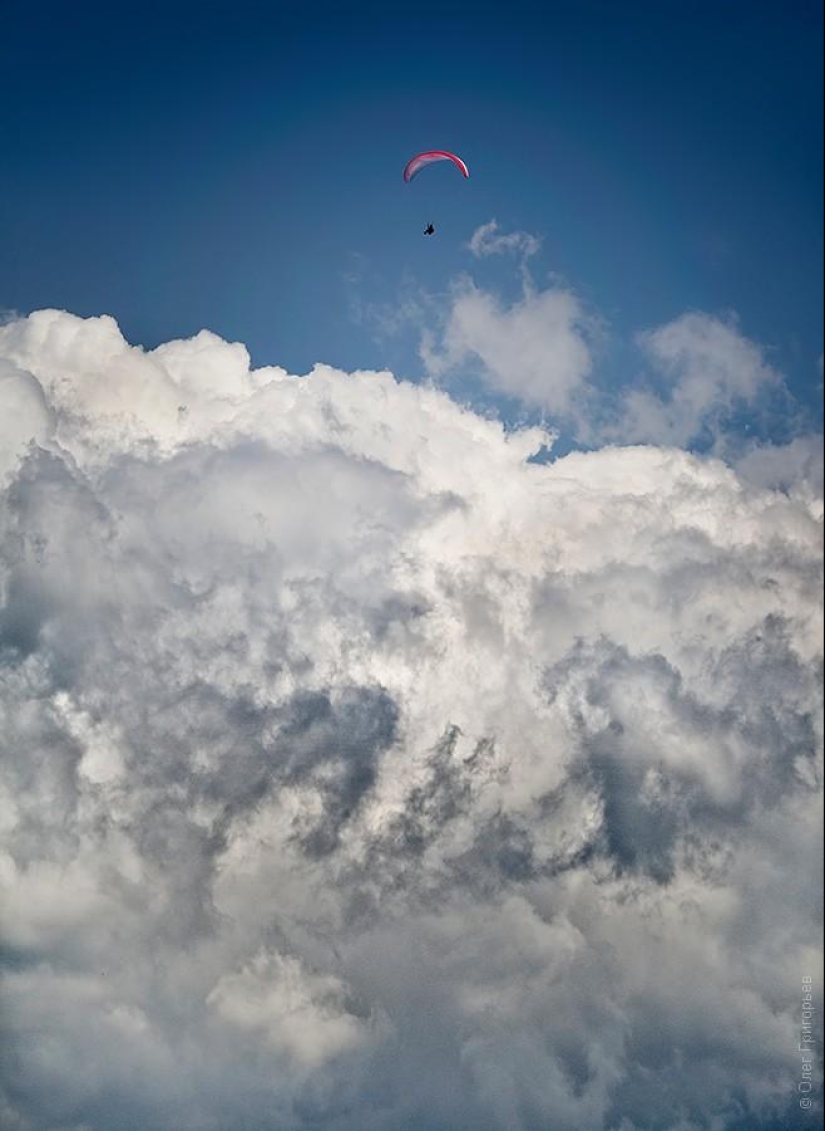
[486, 241]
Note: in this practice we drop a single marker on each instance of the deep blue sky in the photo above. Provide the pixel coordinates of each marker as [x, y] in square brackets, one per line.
[233, 166]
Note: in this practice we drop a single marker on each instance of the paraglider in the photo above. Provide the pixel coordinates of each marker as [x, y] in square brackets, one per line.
[417, 163]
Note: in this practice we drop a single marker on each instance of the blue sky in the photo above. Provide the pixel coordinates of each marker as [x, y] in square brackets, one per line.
[237, 167]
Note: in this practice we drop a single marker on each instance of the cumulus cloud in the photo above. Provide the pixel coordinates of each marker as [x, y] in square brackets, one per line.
[795, 467]
[703, 384]
[707, 371]
[538, 349]
[361, 773]
[302, 1015]
[25, 416]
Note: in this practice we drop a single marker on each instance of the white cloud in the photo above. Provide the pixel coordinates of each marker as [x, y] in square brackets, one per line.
[704, 384]
[360, 773]
[302, 1014]
[711, 360]
[537, 350]
[24, 415]
[708, 370]
[796, 466]
[486, 241]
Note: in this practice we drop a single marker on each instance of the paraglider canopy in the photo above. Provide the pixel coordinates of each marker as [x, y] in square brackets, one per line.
[418, 162]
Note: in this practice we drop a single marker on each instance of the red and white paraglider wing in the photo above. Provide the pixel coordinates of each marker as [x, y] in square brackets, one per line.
[428, 157]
